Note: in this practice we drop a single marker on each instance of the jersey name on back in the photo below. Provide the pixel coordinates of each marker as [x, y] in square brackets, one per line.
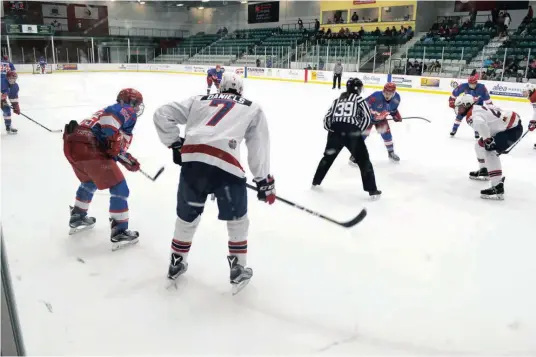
[225, 96]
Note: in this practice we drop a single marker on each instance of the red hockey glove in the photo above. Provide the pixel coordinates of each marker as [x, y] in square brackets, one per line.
[266, 190]
[16, 107]
[532, 125]
[451, 102]
[129, 162]
[4, 100]
[113, 147]
[397, 117]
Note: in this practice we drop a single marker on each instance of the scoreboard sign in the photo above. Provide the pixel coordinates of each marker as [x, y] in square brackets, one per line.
[263, 12]
[30, 29]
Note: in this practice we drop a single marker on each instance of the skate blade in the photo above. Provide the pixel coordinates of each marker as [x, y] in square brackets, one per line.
[394, 160]
[11, 133]
[375, 197]
[498, 197]
[353, 164]
[80, 229]
[122, 245]
[480, 178]
[237, 287]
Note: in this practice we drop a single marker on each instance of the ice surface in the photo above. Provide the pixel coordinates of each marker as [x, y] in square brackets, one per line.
[433, 269]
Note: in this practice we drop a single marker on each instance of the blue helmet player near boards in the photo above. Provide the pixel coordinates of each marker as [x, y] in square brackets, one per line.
[10, 91]
[6, 66]
[42, 64]
[214, 76]
[384, 103]
[477, 90]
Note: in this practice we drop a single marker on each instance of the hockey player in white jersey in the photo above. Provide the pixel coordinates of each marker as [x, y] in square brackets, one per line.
[216, 125]
[498, 130]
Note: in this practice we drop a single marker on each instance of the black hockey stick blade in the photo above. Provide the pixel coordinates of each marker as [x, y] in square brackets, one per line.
[153, 178]
[420, 118]
[357, 219]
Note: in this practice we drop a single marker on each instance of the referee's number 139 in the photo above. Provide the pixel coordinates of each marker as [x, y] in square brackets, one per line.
[344, 109]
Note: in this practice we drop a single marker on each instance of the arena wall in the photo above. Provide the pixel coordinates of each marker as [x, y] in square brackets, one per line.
[426, 84]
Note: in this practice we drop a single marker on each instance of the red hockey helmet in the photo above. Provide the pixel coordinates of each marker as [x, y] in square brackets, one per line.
[5, 58]
[132, 97]
[12, 77]
[389, 90]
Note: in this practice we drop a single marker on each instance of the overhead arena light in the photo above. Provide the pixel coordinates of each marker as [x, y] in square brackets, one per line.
[244, 1]
[142, 2]
[200, 7]
[205, 0]
[180, 4]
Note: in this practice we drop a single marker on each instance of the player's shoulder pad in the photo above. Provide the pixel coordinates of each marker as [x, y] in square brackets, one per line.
[235, 98]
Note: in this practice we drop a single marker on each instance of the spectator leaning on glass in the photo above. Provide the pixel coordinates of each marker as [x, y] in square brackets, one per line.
[337, 74]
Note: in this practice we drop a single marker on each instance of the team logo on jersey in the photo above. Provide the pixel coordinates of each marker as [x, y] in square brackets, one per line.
[454, 84]
[233, 144]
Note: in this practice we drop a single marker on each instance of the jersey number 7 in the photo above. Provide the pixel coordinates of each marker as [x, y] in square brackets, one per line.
[226, 106]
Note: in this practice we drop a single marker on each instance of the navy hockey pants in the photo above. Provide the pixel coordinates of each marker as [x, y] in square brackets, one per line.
[505, 139]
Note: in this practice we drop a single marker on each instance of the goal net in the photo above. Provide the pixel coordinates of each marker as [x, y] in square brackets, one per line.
[37, 69]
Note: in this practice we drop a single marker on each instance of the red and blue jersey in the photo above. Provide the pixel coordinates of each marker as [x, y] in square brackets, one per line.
[215, 74]
[42, 61]
[6, 67]
[379, 106]
[111, 120]
[12, 90]
[480, 93]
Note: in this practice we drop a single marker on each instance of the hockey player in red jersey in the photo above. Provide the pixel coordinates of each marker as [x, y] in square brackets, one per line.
[530, 93]
[93, 148]
[499, 129]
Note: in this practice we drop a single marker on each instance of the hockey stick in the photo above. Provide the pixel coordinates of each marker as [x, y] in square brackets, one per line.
[361, 216]
[514, 144]
[41, 125]
[152, 178]
[413, 118]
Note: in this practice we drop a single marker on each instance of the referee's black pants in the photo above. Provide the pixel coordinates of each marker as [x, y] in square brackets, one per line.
[355, 143]
[337, 77]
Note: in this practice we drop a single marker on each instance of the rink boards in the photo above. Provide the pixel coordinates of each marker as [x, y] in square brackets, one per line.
[433, 85]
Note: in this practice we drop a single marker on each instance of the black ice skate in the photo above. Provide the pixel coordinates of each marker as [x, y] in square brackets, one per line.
[11, 130]
[535, 146]
[452, 133]
[477, 136]
[493, 193]
[80, 221]
[176, 266]
[122, 238]
[480, 175]
[393, 157]
[239, 276]
[375, 195]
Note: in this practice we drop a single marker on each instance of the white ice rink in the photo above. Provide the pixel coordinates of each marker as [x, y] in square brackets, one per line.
[433, 269]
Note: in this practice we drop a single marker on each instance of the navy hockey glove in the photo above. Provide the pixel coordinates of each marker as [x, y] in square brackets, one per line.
[488, 144]
[266, 190]
[176, 150]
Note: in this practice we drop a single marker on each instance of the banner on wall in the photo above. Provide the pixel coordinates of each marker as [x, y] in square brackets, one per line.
[57, 11]
[505, 89]
[402, 82]
[361, 2]
[255, 71]
[67, 67]
[374, 79]
[430, 82]
[86, 12]
[320, 76]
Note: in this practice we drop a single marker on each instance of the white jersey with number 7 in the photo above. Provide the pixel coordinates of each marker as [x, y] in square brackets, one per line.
[490, 120]
[216, 125]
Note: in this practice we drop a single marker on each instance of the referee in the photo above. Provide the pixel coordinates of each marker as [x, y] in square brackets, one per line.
[337, 74]
[347, 118]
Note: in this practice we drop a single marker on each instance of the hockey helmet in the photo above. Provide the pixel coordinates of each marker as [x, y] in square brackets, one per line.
[354, 85]
[12, 77]
[231, 83]
[218, 68]
[463, 104]
[529, 89]
[133, 98]
[5, 58]
[389, 90]
[473, 81]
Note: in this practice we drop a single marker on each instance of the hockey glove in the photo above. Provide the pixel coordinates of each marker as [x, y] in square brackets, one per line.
[129, 162]
[532, 125]
[397, 117]
[451, 102]
[266, 190]
[382, 115]
[113, 144]
[488, 144]
[4, 100]
[16, 107]
[176, 150]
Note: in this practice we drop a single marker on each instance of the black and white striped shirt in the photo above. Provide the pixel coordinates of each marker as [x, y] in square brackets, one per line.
[352, 110]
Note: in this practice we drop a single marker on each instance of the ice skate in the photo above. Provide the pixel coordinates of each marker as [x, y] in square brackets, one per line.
[239, 275]
[176, 266]
[477, 136]
[375, 195]
[352, 162]
[393, 157]
[480, 175]
[452, 133]
[493, 193]
[535, 146]
[11, 130]
[80, 221]
[122, 238]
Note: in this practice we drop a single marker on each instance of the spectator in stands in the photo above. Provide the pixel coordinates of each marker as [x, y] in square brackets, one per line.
[532, 69]
[225, 31]
[428, 39]
[317, 25]
[269, 62]
[341, 31]
[300, 23]
[472, 16]
[525, 32]
[258, 62]
[507, 20]
[528, 17]
[387, 32]
[361, 32]
[393, 31]
[355, 18]
[435, 66]
[377, 32]
[409, 33]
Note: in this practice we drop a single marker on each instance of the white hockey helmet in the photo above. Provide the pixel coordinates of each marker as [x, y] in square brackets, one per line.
[231, 82]
[529, 89]
[463, 103]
